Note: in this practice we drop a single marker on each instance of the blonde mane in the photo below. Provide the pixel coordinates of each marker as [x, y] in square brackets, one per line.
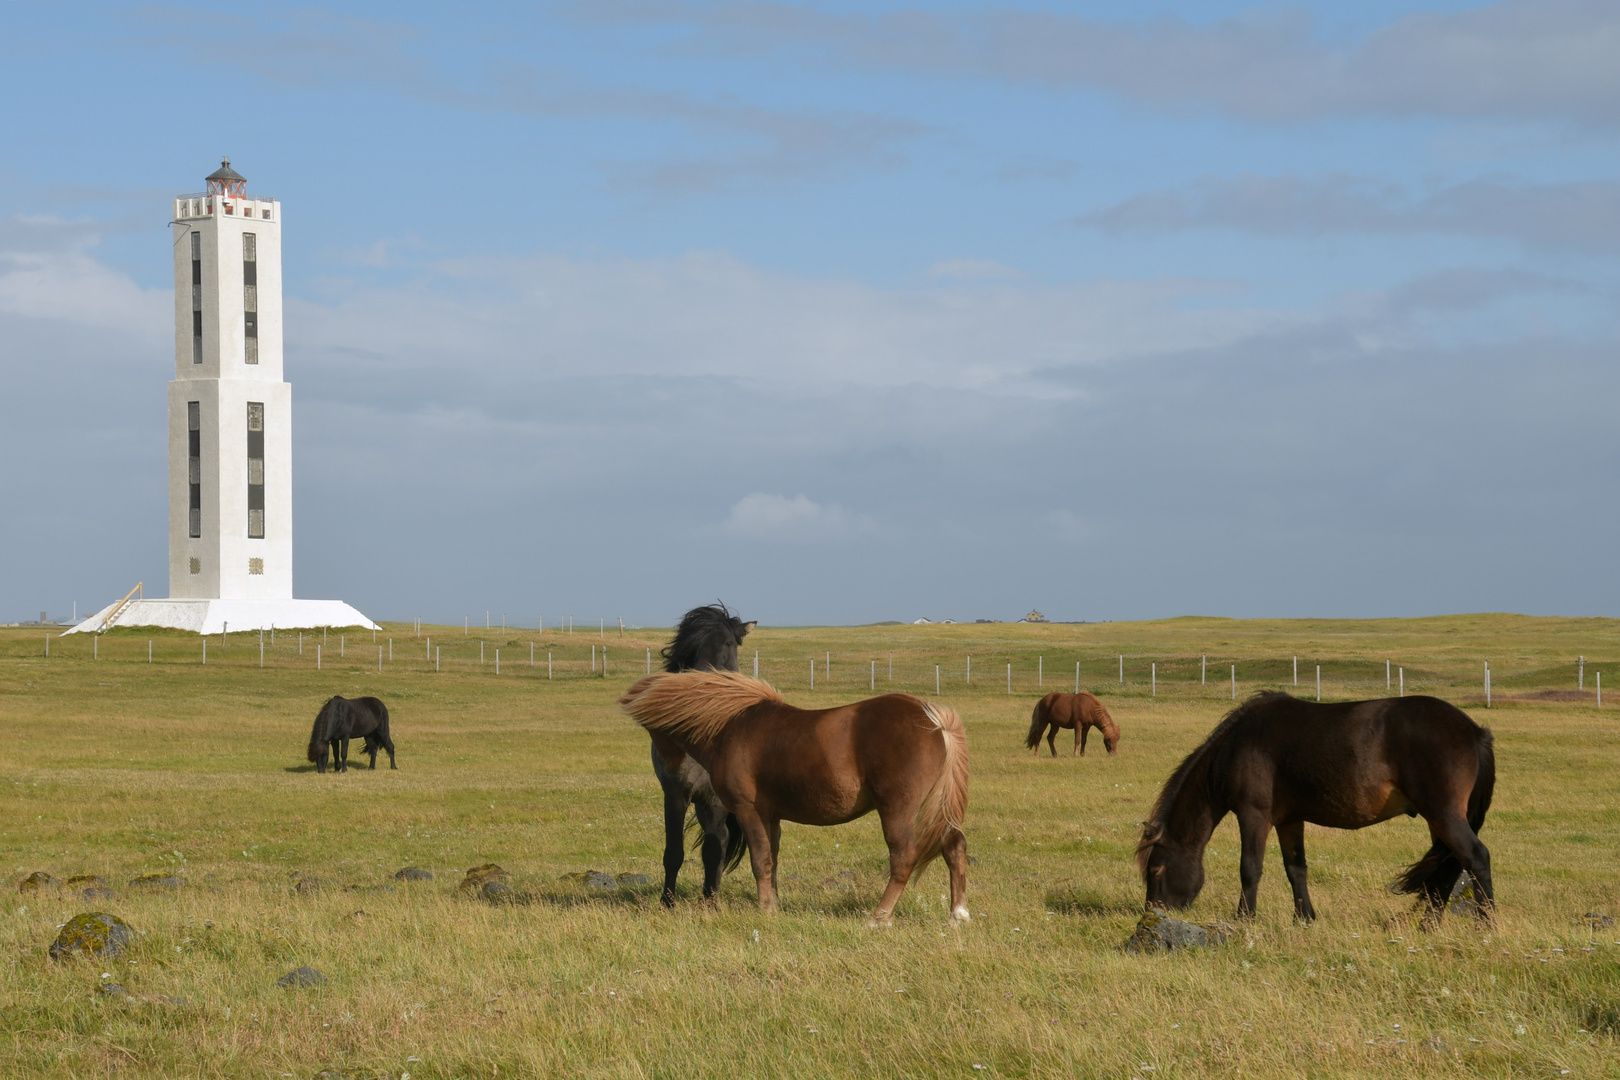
[695, 705]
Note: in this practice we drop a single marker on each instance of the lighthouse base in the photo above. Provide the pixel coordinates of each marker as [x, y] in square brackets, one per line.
[218, 616]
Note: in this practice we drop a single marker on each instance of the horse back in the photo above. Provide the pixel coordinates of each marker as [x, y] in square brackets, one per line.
[830, 763]
[369, 715]
[1349, 764]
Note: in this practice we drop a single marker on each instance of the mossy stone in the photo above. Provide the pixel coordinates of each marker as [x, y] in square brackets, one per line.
[94, 933]
[38, 881]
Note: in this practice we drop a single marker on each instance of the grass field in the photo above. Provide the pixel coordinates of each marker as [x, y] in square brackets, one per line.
[114, 766]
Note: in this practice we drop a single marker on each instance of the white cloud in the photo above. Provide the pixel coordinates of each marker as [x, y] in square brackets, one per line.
[763, 516]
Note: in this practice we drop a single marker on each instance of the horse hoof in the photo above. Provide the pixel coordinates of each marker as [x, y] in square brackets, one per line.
[881, 921]
[959, 916]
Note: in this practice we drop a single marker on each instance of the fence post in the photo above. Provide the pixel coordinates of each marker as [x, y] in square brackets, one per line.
[969, 680]
[205, 652]
[812, 673]
[1122, 669]
[95, 646]
[874, 676]
[604, 661]
[1153, 684]
[548, 665]
[1077, 676]
[1318, 682]
[148, 650]
[497, 661]
[756, 662]
[1403, 682]
[1296, 671]
[1009, 677]
[1386, 675]
[1600, 689]
[1234, 682]
[936, 680]
[343, 646]
[1580, 674]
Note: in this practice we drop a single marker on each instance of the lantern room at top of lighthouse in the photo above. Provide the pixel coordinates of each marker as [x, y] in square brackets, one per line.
[227, 181]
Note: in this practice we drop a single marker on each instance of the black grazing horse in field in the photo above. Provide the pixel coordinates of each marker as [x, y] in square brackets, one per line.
[706, 640]
[342, 719]
[1278, 761]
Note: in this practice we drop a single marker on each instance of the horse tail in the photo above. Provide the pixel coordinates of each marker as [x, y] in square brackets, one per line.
[944, 807]
[1037, 724]
[736, 845]
[1437, 871]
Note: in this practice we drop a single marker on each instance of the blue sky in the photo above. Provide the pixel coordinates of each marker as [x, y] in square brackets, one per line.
[845, 312]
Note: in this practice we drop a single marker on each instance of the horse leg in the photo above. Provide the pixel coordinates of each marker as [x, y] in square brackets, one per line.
[1453, 831]
[712, 816]
[388, 744]
[675, 804]
[1051, 737]
[1291, 838]
[897, 832]
[372, 748]
[760, 852]
[1081, 730]
[776, 851]
[1254, 826]
[320, 760]
[954, 849]
[344, 767]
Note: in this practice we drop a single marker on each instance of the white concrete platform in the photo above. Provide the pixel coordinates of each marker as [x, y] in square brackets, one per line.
[216, 616]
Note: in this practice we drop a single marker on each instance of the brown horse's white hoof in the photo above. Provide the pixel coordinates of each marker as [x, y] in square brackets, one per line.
[880, 920]
[960, 915]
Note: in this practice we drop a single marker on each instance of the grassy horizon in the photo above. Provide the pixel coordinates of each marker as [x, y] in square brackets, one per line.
[118, 767]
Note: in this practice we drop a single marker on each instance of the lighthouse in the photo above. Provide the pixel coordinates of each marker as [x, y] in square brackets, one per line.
[230, 427]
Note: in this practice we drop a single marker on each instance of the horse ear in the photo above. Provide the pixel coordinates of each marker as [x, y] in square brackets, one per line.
[747, 626]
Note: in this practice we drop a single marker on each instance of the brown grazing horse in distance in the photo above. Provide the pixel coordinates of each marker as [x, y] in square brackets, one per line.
[1278, 761]
[1082, 712]
[770, 762]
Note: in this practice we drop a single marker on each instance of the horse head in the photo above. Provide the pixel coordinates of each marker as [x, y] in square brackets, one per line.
[708, 637]
[1172, 871]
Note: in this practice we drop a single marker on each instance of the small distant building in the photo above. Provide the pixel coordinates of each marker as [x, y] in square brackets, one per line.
[230, 429]
[1034, 616]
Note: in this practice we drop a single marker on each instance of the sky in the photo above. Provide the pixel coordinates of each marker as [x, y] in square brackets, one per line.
[843, 312]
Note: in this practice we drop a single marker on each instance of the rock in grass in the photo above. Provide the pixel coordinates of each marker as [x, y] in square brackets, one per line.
[301, 977]
[1463, 901]
[593, 879]
[634, 879]
[1158, 932]
[155, 881]
[99, 892]
[497, 892]
[94, 933]
[85, 881]
[414, 873]
[478, 876]
[38, 881]
[1598, 920]
[112, 990]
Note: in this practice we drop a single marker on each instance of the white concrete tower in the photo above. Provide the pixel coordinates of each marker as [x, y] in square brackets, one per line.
[230, 430]
[230, 410]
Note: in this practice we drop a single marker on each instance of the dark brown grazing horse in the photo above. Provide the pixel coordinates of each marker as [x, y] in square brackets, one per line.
[1278, 761]
[770, 762]
[342, 719]
[1081, 712]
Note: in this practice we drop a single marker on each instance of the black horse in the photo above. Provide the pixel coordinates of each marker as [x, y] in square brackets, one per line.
[707, 638]
[1276, 761]
[342, 719]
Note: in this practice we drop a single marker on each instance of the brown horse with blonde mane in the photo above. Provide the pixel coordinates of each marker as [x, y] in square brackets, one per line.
[770, 762]
[1276, 761]
[1081, 712]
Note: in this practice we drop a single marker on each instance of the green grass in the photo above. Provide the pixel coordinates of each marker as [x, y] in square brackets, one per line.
[118, 767]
